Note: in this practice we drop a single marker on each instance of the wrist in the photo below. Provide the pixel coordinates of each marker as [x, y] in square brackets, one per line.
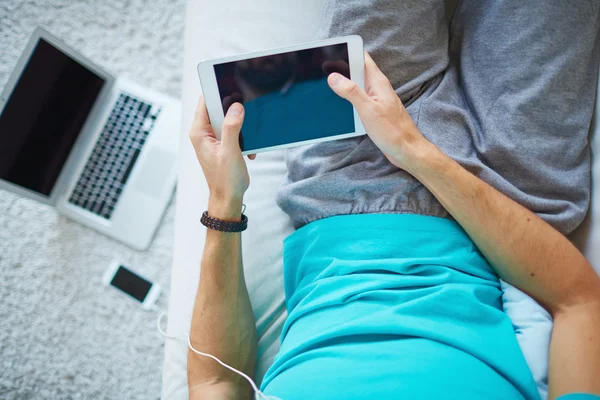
[225, 208]
[421, 157]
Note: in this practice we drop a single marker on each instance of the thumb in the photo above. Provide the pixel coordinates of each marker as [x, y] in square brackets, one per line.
[349, 90]
[232, 124]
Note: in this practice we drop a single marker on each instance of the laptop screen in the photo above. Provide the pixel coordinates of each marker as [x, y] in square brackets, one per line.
[43, 117]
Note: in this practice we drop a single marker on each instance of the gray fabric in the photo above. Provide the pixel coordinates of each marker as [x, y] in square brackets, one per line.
[507, 89]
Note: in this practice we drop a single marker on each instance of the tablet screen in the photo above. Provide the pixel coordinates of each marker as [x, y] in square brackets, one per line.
[286, 96]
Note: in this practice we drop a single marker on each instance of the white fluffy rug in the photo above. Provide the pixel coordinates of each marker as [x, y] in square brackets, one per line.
[63, 335]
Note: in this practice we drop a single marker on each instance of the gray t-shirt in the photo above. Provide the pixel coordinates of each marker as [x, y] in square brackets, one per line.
[507, 89]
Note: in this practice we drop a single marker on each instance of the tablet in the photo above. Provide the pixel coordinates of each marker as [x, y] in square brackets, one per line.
[285, 93]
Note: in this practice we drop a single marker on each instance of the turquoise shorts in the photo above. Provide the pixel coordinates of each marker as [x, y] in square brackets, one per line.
[392, 306]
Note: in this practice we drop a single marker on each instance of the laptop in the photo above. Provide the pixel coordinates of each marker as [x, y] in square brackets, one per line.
[100, 149]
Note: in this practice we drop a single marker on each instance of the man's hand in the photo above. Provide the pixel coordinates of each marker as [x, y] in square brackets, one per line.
[222, 322]
[221, 160]
[386, 120]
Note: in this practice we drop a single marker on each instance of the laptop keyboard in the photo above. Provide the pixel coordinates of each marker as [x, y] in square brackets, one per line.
[117, 149]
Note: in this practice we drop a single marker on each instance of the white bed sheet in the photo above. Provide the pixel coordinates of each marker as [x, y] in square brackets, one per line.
[218, 29]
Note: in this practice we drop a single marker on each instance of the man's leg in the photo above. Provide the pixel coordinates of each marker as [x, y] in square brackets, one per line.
[409, 41]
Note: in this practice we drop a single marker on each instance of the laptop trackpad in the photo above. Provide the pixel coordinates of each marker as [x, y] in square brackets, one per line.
[154, 171]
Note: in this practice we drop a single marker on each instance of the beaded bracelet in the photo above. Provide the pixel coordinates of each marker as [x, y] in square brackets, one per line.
[224, 226]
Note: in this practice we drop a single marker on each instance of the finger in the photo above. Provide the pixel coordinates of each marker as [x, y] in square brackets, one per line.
[370, 65]
[251, 156]
[201, 126]
[349, 90]
[376, 82]
[232, 124]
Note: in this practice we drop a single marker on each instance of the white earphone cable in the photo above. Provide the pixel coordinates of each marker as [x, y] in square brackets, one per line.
[259, 394]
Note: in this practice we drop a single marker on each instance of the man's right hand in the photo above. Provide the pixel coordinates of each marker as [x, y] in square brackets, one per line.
[383, 115]
[221, 160]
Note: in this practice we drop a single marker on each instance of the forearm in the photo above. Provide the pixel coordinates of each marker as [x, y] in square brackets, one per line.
[223, 322]
[574, 361]
[523, 249]
[528, 253]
